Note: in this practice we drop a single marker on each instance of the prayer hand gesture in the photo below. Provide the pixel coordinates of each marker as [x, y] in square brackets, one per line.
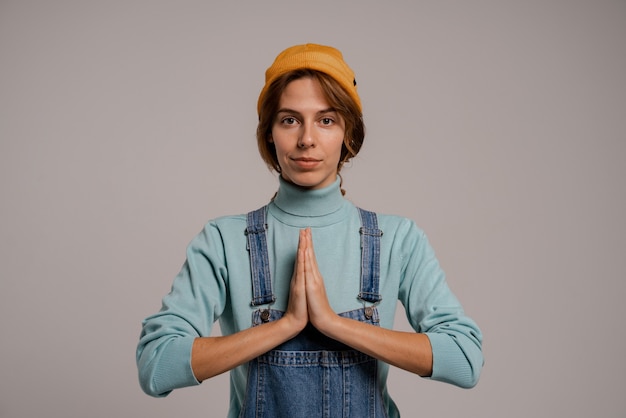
[308, 300]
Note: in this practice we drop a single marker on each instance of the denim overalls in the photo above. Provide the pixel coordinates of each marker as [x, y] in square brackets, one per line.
[312, 375]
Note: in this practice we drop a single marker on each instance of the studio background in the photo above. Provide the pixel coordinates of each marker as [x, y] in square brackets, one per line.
[498, 126]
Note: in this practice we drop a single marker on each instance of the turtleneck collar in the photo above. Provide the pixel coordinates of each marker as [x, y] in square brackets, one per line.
[303, 207]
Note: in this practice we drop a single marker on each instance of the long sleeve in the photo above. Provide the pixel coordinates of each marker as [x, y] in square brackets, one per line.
[215, 284]
[432, 308]
[196, 299]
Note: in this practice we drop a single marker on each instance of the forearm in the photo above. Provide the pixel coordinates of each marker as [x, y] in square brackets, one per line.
[407, 350]
[211, 356]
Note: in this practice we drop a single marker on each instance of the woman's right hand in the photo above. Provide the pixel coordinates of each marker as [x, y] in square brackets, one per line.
[297, 313]
[214, 355]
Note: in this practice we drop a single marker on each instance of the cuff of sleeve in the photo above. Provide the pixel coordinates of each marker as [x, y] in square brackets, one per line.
[175, 371]
[449, 362]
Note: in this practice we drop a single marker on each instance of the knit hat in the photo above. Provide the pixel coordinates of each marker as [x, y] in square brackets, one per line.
[322, 58]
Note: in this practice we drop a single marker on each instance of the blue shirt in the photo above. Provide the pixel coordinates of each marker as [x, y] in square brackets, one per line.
[214, 284]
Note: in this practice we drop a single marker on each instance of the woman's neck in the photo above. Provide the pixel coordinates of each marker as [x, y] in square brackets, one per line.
[301, 202]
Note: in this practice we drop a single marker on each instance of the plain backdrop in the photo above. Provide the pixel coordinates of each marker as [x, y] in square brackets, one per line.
[498, 126]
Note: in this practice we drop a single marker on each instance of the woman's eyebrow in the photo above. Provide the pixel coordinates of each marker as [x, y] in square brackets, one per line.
[329, 110]
[287, 110]
[295, 112]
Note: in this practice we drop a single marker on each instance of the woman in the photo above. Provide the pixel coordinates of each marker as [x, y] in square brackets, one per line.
[305, 288]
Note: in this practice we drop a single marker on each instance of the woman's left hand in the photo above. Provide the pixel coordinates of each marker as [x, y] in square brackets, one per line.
[320, 312]
[408, 350]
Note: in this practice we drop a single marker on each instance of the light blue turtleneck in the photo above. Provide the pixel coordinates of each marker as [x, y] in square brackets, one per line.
[214, 284]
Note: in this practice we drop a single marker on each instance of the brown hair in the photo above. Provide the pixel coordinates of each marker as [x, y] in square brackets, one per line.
[338, 99]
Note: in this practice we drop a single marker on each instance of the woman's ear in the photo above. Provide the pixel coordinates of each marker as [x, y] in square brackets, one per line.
[270, 139]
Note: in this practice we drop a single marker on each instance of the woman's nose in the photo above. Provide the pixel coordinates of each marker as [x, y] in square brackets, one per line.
[307, 138]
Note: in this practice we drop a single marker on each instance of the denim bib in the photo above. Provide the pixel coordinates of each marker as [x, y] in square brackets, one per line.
[312, 375]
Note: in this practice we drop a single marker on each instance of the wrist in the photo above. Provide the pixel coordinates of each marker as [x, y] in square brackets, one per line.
[328, 324]
[290, 325]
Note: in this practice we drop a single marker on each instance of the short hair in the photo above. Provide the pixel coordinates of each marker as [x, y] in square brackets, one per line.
[336, 96]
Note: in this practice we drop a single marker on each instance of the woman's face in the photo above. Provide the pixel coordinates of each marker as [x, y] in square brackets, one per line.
[308, 135]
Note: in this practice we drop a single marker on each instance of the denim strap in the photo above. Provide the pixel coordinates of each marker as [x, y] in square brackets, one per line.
[370, 257]
[259, 258]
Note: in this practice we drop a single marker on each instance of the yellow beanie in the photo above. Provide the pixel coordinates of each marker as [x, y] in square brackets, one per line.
[322, 58]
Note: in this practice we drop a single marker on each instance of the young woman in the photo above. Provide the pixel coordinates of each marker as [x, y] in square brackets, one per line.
[305, 288]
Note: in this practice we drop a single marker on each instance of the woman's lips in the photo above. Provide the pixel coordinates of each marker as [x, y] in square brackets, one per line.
[306, 163]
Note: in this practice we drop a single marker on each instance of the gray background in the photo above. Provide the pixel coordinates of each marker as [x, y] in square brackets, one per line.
[498, 126]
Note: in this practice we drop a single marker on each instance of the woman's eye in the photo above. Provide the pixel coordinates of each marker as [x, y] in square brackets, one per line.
[327, 121]
[289, 121]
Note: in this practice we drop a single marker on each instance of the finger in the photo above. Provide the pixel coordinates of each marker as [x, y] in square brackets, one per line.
[300, 258]
[309, 238]
[299, 249]
[301, 263]
[312, 260]
[303, 240]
